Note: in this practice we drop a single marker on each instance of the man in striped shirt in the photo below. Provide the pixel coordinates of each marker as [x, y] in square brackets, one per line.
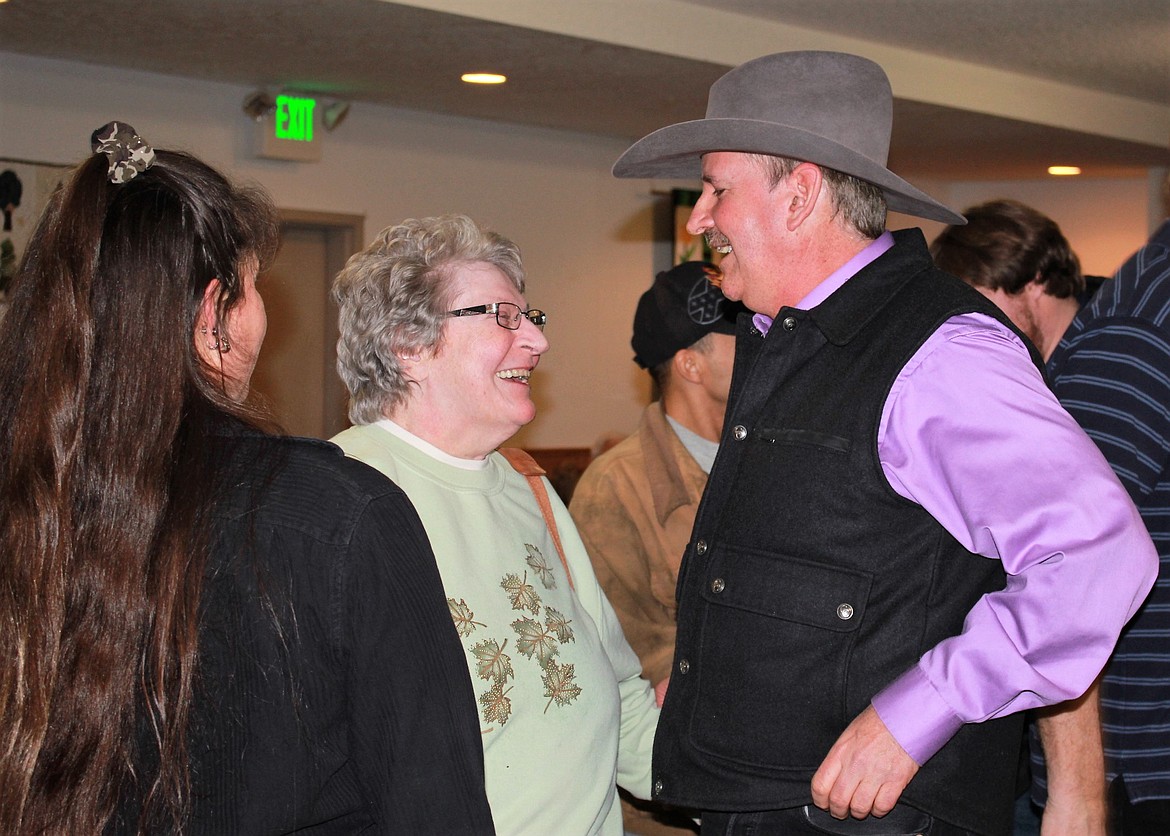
[1108, 360]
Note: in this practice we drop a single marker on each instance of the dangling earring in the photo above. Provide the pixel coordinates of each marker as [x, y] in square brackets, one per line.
[218, 343]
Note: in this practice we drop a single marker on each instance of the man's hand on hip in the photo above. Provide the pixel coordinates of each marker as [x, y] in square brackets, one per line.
[865, 771]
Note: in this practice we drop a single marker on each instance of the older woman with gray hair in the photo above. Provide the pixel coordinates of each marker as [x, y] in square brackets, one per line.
[437, 346]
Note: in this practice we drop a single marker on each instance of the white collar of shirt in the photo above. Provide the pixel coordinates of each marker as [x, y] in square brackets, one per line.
[428, 448]
[701, 450]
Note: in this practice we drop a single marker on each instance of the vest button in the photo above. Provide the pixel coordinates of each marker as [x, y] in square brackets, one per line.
[658, 787]
[789, 323]
[701, 547]
[739, 432]
[844, 611]
[684, 667]
[718, 586]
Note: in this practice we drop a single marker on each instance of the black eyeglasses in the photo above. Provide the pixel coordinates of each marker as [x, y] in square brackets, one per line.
[508, 314]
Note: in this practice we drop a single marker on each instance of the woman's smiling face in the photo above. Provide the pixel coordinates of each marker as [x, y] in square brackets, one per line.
[477, 378]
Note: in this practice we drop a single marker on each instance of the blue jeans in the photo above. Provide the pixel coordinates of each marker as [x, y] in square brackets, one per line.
[1027, 818]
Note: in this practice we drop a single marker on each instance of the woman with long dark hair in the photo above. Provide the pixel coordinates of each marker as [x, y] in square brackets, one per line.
[203, 627]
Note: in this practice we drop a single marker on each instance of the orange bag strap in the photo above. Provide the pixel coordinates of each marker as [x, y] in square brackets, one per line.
[527, 467]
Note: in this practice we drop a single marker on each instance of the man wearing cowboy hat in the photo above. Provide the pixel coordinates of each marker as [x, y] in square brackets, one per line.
[904, 539]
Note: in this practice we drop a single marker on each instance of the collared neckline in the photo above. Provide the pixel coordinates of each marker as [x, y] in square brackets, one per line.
[834, 280]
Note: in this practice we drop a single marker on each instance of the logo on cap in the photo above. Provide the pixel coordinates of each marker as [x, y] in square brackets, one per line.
[705, 301]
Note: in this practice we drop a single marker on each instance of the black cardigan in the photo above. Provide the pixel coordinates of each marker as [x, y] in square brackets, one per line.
[356, 714]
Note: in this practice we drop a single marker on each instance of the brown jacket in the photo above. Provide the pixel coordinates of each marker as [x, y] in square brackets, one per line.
[634, 507]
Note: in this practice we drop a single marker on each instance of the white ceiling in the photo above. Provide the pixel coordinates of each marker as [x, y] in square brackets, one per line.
[992, 89]
[1116, 46]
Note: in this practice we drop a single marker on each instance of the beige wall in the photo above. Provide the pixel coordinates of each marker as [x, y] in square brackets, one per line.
[1105, 220]
[585, 236]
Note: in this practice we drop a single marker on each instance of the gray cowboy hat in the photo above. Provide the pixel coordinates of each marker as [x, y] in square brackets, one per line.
[828, 108]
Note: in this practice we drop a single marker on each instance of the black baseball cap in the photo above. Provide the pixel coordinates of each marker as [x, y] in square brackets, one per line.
[679, 309]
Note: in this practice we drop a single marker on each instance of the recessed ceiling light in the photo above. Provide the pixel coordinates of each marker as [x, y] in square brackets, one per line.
[483, 78]
[1064, 170]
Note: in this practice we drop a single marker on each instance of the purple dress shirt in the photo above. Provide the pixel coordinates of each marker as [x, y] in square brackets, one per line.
[971, 432]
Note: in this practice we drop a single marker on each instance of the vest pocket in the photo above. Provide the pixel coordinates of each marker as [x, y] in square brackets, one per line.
[808, 438]
[775, 646]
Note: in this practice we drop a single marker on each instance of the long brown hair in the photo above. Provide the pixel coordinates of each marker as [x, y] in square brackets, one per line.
[107, 476]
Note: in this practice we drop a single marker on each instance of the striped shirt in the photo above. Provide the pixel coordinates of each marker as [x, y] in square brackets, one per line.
[1111, 371]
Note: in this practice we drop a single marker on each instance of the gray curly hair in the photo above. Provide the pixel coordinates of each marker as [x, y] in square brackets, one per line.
[393, 299]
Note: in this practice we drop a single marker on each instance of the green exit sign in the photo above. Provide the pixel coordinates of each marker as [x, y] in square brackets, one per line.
[294, 118]
[288, 134]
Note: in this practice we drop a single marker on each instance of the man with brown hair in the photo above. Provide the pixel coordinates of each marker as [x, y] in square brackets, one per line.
[1108, 359]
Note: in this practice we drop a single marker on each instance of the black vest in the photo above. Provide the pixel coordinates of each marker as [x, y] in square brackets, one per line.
[809, 584]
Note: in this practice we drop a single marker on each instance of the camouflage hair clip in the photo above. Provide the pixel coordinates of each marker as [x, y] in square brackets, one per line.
[128, 153]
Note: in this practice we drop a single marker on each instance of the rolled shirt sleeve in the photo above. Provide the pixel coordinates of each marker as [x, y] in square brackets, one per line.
[971, 432]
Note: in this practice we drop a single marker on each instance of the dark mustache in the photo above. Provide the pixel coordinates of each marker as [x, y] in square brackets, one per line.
[716, 239]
